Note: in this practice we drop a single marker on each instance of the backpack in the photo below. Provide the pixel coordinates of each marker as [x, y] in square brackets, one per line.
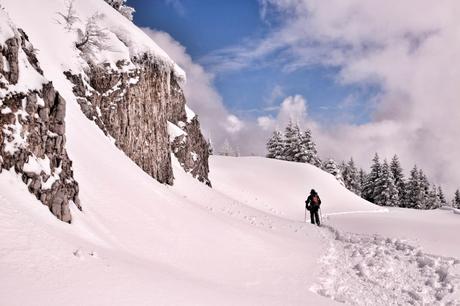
[315, 200]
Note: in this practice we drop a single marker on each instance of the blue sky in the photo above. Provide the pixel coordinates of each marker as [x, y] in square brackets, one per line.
[374, 76]
[207, 26]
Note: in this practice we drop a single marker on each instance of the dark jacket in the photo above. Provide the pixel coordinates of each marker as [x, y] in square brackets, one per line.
[310, 201]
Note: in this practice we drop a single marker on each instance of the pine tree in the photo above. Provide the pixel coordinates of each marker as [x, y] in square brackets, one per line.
[456, 200]
[308, 147]
[362, 177]
[369, 188]
[442, 198]
[385, 192]
[398, 176]
[434, 200]
[331, 167]
[275, 145]
[414, 197]
[350, 176]
[291, 142]
[424, 190]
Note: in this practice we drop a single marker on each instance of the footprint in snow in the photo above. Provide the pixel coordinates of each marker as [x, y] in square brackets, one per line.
[372, 270]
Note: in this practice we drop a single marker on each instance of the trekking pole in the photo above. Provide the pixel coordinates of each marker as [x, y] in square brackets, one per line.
[305, 219]
[321, 215]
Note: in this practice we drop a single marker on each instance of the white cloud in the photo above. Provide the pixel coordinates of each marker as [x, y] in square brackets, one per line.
[216, 121]
[233, 124]
[409, 49]
[266, 123]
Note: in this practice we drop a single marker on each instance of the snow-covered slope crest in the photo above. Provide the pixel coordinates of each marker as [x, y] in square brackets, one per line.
[32, 137]
[121, 79]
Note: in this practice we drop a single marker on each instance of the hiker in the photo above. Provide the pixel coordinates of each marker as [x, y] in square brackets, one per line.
[312, 204]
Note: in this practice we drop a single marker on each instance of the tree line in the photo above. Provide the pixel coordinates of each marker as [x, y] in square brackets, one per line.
[385, 183]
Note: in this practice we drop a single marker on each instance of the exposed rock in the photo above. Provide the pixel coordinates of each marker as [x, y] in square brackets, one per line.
[133, 106]
[32, 137]
[191, 149]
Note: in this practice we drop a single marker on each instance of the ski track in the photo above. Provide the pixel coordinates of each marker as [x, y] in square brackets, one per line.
[373, 270]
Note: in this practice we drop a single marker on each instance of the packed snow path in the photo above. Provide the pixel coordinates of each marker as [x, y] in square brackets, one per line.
[372, 270]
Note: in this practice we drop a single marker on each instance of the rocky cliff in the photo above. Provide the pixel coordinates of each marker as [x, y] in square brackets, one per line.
[134, 106]
[32, 121]
[119, 77]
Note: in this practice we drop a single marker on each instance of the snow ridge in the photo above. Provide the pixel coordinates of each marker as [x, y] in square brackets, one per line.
[373, 270]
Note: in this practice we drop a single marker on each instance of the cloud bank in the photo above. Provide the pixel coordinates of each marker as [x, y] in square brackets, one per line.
[409, 50]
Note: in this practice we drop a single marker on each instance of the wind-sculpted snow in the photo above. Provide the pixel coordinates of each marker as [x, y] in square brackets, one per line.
[373, 270]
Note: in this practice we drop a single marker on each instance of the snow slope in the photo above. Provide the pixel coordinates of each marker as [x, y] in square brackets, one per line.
[244, 242]
[375, 256]
[140, 242]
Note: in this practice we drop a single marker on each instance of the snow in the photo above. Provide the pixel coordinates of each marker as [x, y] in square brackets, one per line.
[219, 246]
[16, 136]
[124, 40]
[174, 131]
[190, 114]
[6, 110]
[194, 156]
[7, 31]
[37, 165]
[243, 242]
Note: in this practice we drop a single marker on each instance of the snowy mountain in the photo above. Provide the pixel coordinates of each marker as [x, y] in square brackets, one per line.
[139, 241]
[59, 54]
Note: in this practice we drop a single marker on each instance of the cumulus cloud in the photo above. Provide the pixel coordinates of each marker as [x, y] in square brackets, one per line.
[409, 49]
[233, 124]
[267, 123]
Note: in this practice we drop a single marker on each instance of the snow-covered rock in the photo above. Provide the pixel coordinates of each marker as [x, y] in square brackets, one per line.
[32, 122]
[120, 78]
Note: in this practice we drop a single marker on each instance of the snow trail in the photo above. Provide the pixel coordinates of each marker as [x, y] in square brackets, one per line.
[373, 270]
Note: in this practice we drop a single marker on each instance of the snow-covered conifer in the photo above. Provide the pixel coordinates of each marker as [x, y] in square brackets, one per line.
[456, 200]
[424, 190]
[362, 177]
[385, 192]
[275, 145]
[441, 196]
[292, 142]
[369, 187]
[331, 167]
[398, 176]
[309, 154]
[413, 194]
[434, 200]
[351, 176]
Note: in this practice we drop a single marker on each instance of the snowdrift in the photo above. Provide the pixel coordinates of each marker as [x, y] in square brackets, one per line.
[281, 187]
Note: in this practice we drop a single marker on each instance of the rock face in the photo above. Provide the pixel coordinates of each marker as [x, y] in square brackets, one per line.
[32, 121]
[191, 149]
[133, 106]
